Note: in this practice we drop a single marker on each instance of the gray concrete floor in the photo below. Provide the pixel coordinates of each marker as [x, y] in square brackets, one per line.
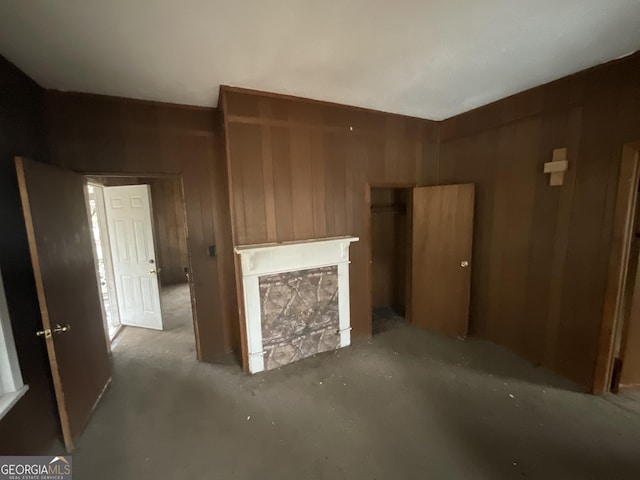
[404, 405]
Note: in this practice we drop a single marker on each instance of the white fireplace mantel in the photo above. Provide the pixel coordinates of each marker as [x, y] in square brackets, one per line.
[272, 258]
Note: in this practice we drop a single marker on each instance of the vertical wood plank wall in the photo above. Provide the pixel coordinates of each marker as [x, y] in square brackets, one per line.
[540, 252]
[301, 169]
[168, 217]
[96, 134]
[389, 242]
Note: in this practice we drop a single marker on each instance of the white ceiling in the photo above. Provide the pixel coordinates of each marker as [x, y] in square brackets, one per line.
[426, 58]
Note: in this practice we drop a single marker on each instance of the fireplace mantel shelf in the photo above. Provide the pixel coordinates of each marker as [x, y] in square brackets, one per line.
[270, 246]
[269, 258]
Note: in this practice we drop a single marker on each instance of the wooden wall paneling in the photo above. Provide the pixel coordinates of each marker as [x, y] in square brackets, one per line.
[496, 326]
[524, 172]
[253, 186]
[281, 155]
[322, 159]
[382, 249]
[318, 186]
[97, 134]
[581, 305]
[197, 252]
[413, 144]
[561, 243]
[181, 232]
[533, 334]
[360, 291]
[358, 212]
[482, 155]
[163, 245]
[331, 205]
[222, 224]
[233, 192]
[338, 170]
[389, 247]
[168, 214]
[267, 176]
[175, 231]
[351, 190]
[209, 265]
[392, 164]
[592, 113]
[234, 144]
[301, 183]
[375, 152]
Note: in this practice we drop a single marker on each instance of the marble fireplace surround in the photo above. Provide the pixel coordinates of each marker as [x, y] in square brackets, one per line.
[308, 257]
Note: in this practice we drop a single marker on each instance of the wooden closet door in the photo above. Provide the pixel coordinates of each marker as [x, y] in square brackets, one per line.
[441, 258]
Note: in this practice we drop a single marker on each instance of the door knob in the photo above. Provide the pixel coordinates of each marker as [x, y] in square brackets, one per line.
[46, 333]
[59, 329]
[151, 272]
[464, 264]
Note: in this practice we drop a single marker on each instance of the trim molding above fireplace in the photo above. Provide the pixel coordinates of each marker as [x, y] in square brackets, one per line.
[308, 258]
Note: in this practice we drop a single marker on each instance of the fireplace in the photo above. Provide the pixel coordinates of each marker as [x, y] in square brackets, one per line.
[296, 299]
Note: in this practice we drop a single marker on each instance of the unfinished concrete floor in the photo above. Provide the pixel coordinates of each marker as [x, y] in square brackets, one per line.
[404, 405]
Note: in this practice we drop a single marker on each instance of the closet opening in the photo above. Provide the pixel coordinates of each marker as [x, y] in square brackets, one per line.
[390, 257]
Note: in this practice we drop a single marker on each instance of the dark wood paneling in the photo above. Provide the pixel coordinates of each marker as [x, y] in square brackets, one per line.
[389, 240]
[31, 426]
[541, 253]
[96, 134]
[169, 223]
[301, 169]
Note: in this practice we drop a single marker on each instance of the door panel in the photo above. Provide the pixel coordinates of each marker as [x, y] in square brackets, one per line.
[441, 244]
[58, 230]
[128, 210]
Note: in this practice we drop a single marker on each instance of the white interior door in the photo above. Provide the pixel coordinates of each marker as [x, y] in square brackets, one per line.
[128, 210]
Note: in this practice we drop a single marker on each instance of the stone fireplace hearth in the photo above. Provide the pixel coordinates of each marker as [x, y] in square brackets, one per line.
[296, 298]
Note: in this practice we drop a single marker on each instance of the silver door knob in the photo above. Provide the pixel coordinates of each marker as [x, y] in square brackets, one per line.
[464, 264]
[60, 329]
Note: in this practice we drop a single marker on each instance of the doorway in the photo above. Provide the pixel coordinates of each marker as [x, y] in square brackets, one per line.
[142, 257]
[390, 258]
[618, 365]
[421, 248]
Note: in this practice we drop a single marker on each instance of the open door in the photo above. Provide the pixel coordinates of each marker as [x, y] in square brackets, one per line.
[442, 232]
[130, 225]
[59, 236]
